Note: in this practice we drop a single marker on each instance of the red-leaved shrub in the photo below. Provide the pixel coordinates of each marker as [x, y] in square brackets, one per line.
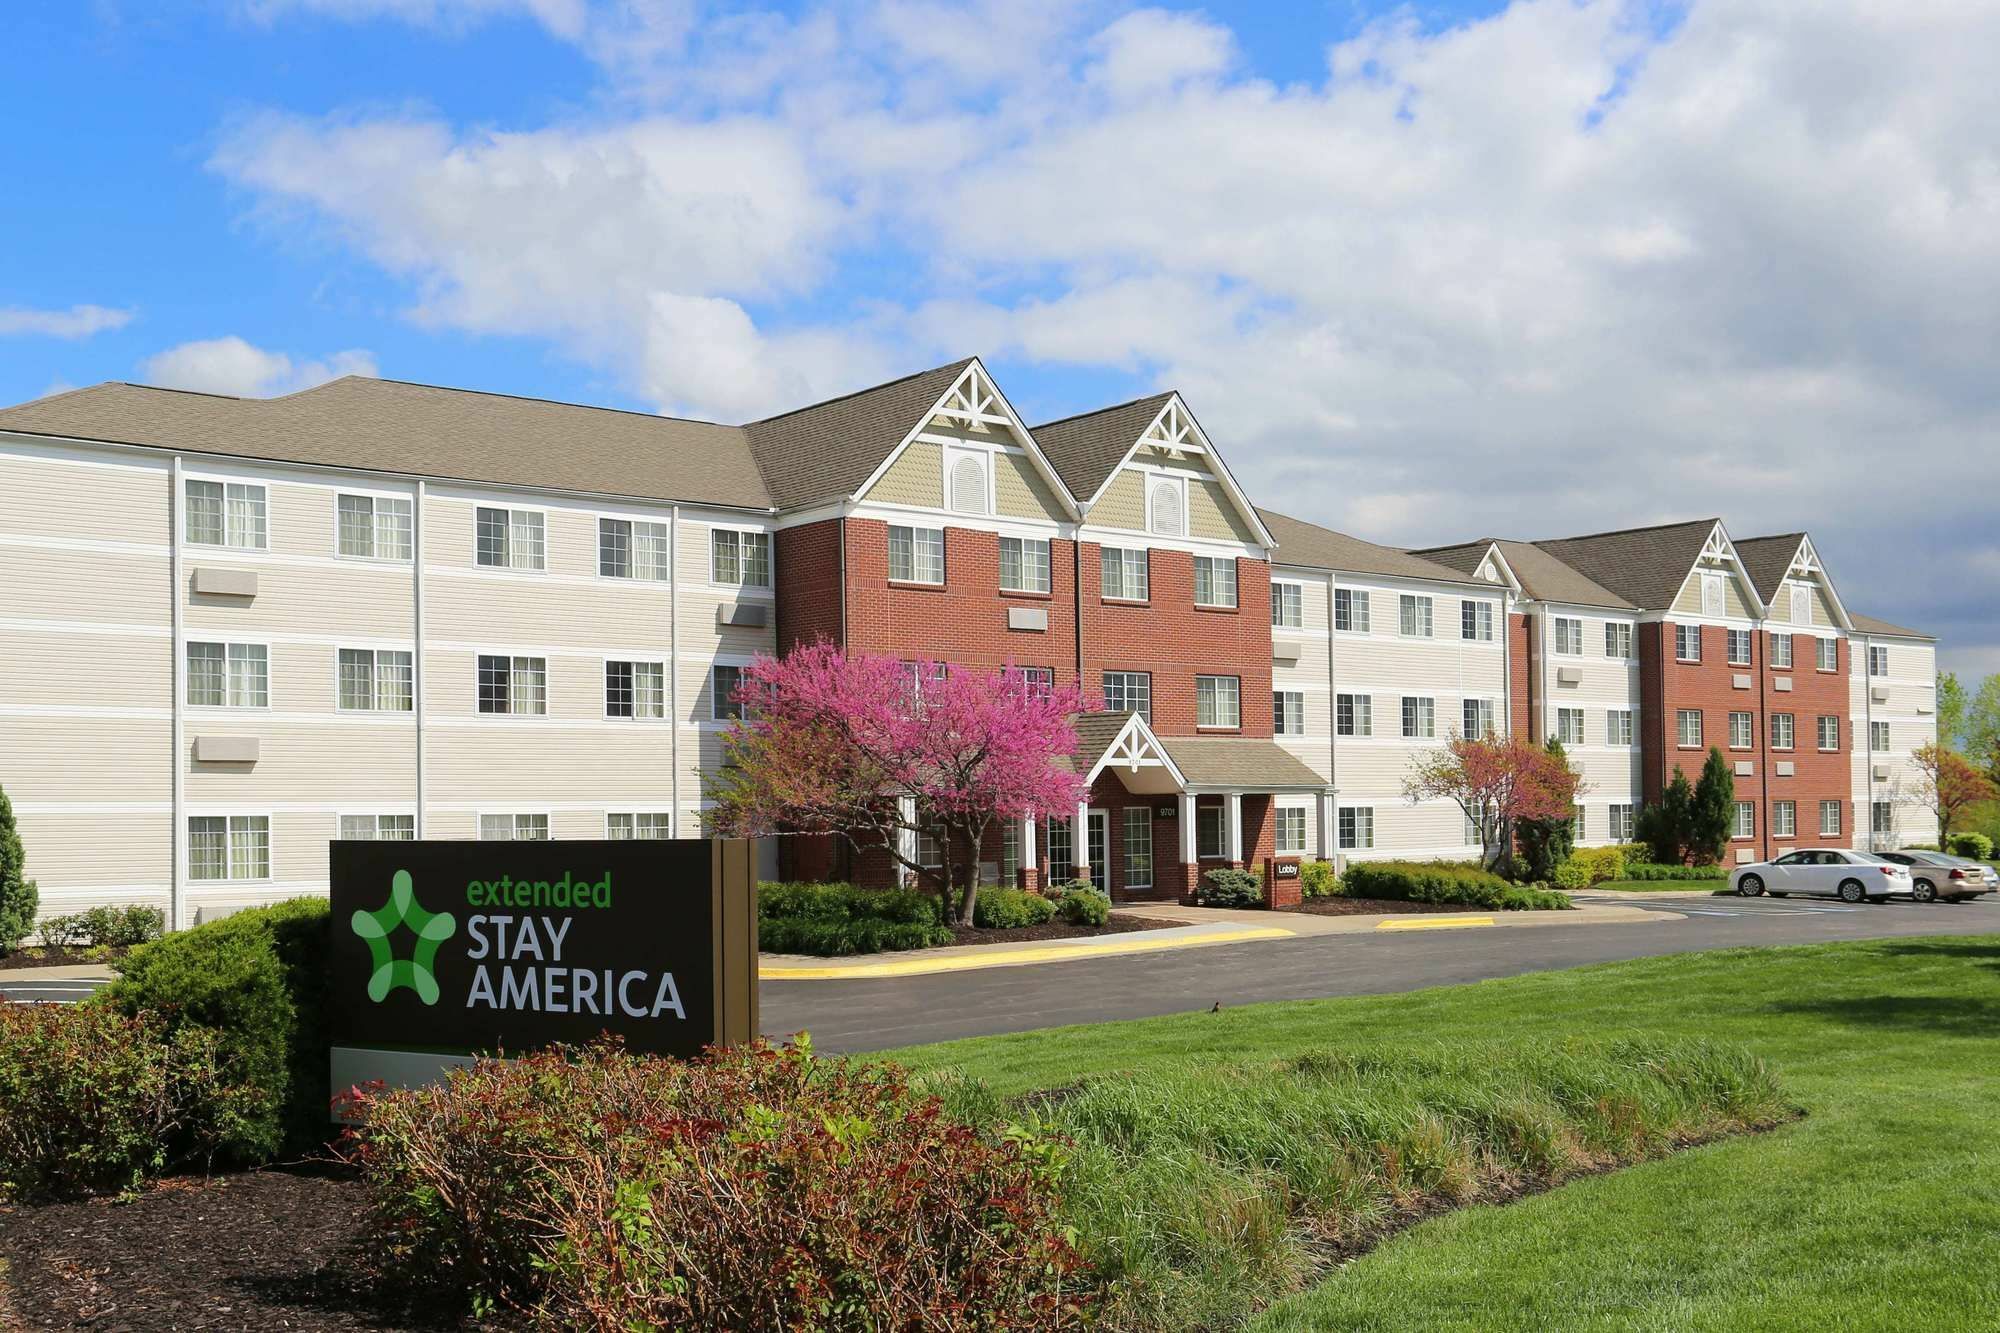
[755, 1188]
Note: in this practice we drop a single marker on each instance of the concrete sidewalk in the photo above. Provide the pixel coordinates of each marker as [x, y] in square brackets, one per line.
[69, 972]
[1197, 927]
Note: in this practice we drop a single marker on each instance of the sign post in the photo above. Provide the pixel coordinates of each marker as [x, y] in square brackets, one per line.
[441, 951]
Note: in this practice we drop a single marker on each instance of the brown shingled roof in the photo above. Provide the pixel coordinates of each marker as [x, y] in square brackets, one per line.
[1251, 763]
[826, 451]
[393, 426]
[1086, 449]
[1870, 625]
[1645, 566]
[1314, 547]
[1768, 560]
[1542, 575]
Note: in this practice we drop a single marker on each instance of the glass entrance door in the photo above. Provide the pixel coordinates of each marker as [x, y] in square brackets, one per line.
[1100, 849]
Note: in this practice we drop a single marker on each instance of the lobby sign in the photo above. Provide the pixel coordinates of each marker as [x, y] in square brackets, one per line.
[443, 950]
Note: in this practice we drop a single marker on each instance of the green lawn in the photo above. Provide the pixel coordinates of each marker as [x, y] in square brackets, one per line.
[1880, 1210]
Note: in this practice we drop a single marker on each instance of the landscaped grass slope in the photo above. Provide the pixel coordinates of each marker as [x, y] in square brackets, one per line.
[1879, 1210]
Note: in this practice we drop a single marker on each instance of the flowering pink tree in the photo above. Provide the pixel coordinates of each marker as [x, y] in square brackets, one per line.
[832, 742]
[1498, 781]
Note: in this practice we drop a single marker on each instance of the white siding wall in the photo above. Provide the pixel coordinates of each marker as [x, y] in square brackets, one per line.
[1598, 684]
[1910, 710]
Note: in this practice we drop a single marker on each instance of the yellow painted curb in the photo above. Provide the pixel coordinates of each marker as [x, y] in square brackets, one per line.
[1436, 923]
[909, 967]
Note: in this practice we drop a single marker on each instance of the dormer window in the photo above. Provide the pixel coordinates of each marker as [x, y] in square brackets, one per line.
[1165, 509]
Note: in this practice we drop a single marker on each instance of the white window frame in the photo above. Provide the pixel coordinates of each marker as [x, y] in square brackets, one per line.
[1419, 717]
[1784, 819]
[403, 534]
[1480, 718]
[1567, 632]
[1569, 726]
[1826, 654]
[1742, 729]
[1356, 825]
[1288, 604]
[1621, 817]
[753, 548]
[1878, 656]
[1361, 714]
[1126, 678]
[1687, 638]
[1288, 834]
[634, 825]
[1681, 718]
[1211, 833]
[232, 825]
[1879, 738]
[1781, 652]
[920, 540]
[1730, 639]
[1126, 560]
[1475, 621]
[1031, 558]
[516, 821]
[378, 672]
[1824, 746]
[1618, 641]
[517, 664]
[1415, 616]
[1882, 817]
[1137, 851]
[1784, 731]
[1744, 823]
[1618, 726]
[1220, 570]
[1288, 713]
[637, 665]
[1214, 688]
[1830, 828]
[1351, 605]
[233, 652]
[230, 534]
[659, 538]
[720, 708]
[406, 830]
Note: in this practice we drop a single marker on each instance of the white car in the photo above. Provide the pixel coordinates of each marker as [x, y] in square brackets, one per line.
[1852, 877]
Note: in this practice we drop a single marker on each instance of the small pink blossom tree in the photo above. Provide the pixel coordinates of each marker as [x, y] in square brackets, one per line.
[1497, 781]
[833, 742]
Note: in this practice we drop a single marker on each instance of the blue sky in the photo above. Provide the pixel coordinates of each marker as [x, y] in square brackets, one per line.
[1425, 271]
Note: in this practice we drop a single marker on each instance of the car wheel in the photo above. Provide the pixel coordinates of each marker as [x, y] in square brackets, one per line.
[1924, 891]
[1749, 886]
[1852, 892]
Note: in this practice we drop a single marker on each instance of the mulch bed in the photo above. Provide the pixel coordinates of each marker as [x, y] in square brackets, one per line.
[1059, 930]
[40, 957]
[261, 1250]
[1337, 906]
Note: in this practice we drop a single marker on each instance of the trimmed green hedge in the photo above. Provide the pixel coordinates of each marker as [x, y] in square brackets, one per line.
[1010, 909]
[834, 920]
[1229, 887]
[1316, 880]
[257, 980]
[1454, 883]
[1083, 906]
[1642, 870]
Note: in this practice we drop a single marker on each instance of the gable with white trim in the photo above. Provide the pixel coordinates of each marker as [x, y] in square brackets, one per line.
[1718, 587]
[1173, 484]
[970, 457]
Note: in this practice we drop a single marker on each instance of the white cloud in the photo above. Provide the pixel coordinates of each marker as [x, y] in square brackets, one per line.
[1554, 270]
[79, 321]
[232, 366]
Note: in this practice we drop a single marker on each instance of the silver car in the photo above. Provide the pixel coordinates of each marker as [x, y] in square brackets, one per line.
[1935, 875]
[1852, 877]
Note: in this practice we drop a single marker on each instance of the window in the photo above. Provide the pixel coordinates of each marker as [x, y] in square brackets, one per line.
[1287, 605]
[1354, 715]
[1618, 641]
[723, 682]
[1138, 841]
[916, 674]
[1829, 732]
[1024, 564]
[1475, 621]
[968, 485]
[1357, 827]
[1739, 646]
[1211, 833]
[1569, 726]
[1216, 702]
[1621, 823]
[1688, 721]
[629, 549]
[232, 847]
[1826, 654]
[1350, 610]
[1687, 643]
[916, 555]
[226, 514]
[510, 538]
[1414, 620]
[1215, 580]
[1781, 731]
[1475, 833]
[375, 680]
[1129, 692]
[1419, 717]
[1882, 816]
[1617, 726]
[514, 828]
[1569, 635]
[517, 685]
[1478, 718]
[741, 558]
[1878, 661]
[1746, 820]
[1784, 819]
[1829, 819]
[636, 689]
[1060, 867]
[378, 828]
[1288, 713]
[1742, 731]
[638, 824]
[1290, 838]
[1010, 852]
[228, 675]
[1124, 575]
[1035, 682]
[1164, 508]
[374, 527]
[1781, 650]
[1878, 737]
[1579, 822]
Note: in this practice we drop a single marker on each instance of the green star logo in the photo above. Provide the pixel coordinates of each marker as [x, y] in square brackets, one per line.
[431, 929]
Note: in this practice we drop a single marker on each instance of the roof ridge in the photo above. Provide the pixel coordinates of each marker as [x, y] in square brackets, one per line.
[163, 388]
[1770, 537]
[512, 397]
[1100, 411]
[1460, 546]
[959, 364]
[1626, 532]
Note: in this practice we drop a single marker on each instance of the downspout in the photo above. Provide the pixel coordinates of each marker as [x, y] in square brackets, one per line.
[417, 671]
[1765, 830]
[176, 838]
[1507, 663]
[1868, 719]
[1076, 594]
[674, 665]
[1329, 801]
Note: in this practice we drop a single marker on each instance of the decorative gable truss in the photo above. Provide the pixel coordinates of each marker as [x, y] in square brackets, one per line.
[1807, 595]
[962, 456]
[1494, 568]
[1718, 587]
[1174, 456]
[1140, 761]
